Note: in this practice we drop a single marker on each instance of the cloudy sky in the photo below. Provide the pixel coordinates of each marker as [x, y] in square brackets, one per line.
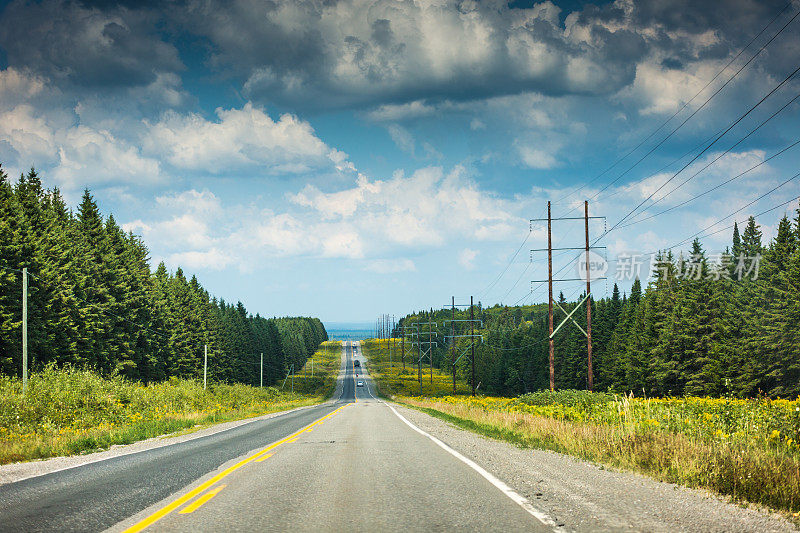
[348, 158]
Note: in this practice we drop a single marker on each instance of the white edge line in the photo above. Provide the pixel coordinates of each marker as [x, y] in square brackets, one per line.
[505, 489]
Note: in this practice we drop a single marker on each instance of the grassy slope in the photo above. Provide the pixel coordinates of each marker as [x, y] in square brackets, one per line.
[393, 380]
[67, 412]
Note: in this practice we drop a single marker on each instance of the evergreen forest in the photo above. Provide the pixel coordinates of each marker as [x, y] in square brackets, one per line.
[94, 302]
[702, 325]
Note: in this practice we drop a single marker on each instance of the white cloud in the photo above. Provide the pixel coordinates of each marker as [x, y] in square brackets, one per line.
[390, 266]
[535, 157]
[466, 258]
[370, 220]
[78, 155]
[477, 124]
[402, 138]
[422, 209]
[17, 87]
[244, 139]
[199, 202]
[208, 260]
[395, 112]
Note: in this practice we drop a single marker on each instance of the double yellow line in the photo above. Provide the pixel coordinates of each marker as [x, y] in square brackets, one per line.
[167, 509]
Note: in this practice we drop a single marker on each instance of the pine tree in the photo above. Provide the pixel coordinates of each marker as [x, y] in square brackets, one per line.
[751, 239]
[736, 249]
[10, 280]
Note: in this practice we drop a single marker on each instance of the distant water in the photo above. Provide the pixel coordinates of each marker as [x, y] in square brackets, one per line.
[350, 334]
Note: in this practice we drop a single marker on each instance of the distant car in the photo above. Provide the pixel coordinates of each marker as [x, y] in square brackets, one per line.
[360, 383]
[357, 363]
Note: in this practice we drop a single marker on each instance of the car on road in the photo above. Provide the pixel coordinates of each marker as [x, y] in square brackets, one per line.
[360, 383]
[357, 363]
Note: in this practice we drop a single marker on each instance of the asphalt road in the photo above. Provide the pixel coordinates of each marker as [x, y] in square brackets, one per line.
[361, 468]
[356, 464]
[96, 496]
[350, 464]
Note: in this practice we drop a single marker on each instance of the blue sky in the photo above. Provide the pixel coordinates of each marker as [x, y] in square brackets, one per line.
[349, 158]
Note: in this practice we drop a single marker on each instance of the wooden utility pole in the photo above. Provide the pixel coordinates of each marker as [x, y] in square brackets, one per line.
[551, 304]
[403, 348]
[453, 343]
[472, 338]
[550, 300]
[589, 299]
[24, 330]
[430, 346]
[419, 359]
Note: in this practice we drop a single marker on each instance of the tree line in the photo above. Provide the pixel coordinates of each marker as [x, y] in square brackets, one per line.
[94, 302]
[702, 325]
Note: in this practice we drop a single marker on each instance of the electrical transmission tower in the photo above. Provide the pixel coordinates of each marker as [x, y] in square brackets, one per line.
[472, 338]
[588, 298]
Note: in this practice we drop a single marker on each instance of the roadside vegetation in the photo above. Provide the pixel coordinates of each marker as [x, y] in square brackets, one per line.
[318, 377]
[748, 449]
[70, 411]
[395, 380]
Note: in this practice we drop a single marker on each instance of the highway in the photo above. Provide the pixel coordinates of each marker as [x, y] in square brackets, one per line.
[350, 464]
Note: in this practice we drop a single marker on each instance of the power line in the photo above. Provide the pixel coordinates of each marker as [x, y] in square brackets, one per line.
[773, 156]
[741, 208]
[518, 280]
[717, 137]
[741, 51]
[723, 154]
[754, 216]
[737, 121]
[662, 141]
[510, 262]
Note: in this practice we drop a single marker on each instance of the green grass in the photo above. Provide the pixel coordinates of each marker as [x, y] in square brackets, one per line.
[318, 379]
[393, 380]
[70, 411]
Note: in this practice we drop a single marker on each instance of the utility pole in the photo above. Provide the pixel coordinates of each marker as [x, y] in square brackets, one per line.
[24, 330]
[403, 348]
[550, 299]
[472, 333]
[453, 342]
[551, 303]
[419, 361]
[589, 300]
[430, 347]
[262, 370]
[205, 364]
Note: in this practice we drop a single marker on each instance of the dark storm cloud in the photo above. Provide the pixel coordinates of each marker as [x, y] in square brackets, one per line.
[86, 46]
[313, 54]
[344, 54]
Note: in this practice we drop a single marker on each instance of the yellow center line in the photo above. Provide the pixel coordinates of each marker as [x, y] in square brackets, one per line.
[192, 507]
[262, 458]
[291, 440]
[167, 509]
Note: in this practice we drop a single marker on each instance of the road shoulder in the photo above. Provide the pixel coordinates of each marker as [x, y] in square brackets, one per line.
[587, 497]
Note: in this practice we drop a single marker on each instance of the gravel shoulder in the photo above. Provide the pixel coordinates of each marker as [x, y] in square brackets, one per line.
[13, 472]
[586, 497]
